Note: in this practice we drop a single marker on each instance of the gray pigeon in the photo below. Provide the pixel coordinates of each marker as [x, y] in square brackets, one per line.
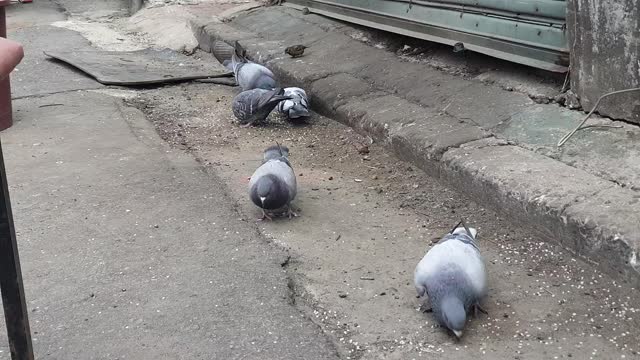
[250, 75]
[298, 106]
[255, 105]
[452, 274]
[273, 185]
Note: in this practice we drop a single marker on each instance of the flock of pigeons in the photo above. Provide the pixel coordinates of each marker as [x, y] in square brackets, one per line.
[261, 93]
[273, 185]
[452, 274]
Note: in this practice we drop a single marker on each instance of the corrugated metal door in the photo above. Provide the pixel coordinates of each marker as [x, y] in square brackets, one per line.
[531, 32]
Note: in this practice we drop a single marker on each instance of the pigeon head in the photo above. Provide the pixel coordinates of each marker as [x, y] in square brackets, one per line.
[236, 64]
[299, 110]
[275, 152]
[450, 298]
[453, 314]
[270, 193]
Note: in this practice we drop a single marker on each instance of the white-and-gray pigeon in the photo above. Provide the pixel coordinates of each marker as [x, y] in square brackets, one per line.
[255, 105]
[297, 106]
[453, 275]
[250, 75]
[273, 185]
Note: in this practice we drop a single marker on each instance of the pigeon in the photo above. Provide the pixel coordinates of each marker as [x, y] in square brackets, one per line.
[255, 105]
[295, 50]
[250, 75]
[297, 106]
[273, 185]
[452, 274]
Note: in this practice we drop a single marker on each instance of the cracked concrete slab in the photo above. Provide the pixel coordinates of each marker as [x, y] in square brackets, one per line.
[33, 75]
[159, 265]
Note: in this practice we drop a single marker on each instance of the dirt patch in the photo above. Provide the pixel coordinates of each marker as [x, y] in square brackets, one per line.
[367, 219]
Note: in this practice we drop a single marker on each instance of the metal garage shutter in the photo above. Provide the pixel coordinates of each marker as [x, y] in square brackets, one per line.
[531, 32]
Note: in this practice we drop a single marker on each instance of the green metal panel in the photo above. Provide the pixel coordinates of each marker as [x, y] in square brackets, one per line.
[531, 32]
[555, 9]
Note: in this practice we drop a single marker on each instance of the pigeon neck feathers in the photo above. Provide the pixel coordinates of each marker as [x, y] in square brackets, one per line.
[461, 234]
[451, 296]
[270, 193]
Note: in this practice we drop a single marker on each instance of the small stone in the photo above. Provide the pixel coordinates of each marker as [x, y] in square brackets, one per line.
[363, 150]
[560, 99]
[342, 295]
[330, 177]
[572, 102]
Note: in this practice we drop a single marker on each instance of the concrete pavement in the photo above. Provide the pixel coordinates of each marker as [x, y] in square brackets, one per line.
[129, 249]
[155, 245]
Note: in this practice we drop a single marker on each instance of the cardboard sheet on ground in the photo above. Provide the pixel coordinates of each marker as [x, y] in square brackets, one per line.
[142, 67]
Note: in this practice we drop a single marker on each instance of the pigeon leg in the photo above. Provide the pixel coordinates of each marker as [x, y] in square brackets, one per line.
[425, 308]
[246, 125]
[290, 212]
[265, 216]
[477, 308]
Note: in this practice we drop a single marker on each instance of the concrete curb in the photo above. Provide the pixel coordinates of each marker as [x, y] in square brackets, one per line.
[586, 214]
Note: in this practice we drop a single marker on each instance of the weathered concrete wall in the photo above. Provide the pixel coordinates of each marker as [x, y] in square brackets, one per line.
[134, 6]
[605, 54]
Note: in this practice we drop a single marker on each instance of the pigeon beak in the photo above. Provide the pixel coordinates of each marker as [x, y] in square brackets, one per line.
[458, 333]
[262, 199]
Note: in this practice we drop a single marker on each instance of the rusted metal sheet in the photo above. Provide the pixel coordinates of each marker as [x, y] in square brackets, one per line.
[530, 32]
[140, 67]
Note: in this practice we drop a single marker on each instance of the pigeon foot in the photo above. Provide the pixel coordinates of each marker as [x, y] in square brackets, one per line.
[290, 212]
[265, 216]
[477, 308]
